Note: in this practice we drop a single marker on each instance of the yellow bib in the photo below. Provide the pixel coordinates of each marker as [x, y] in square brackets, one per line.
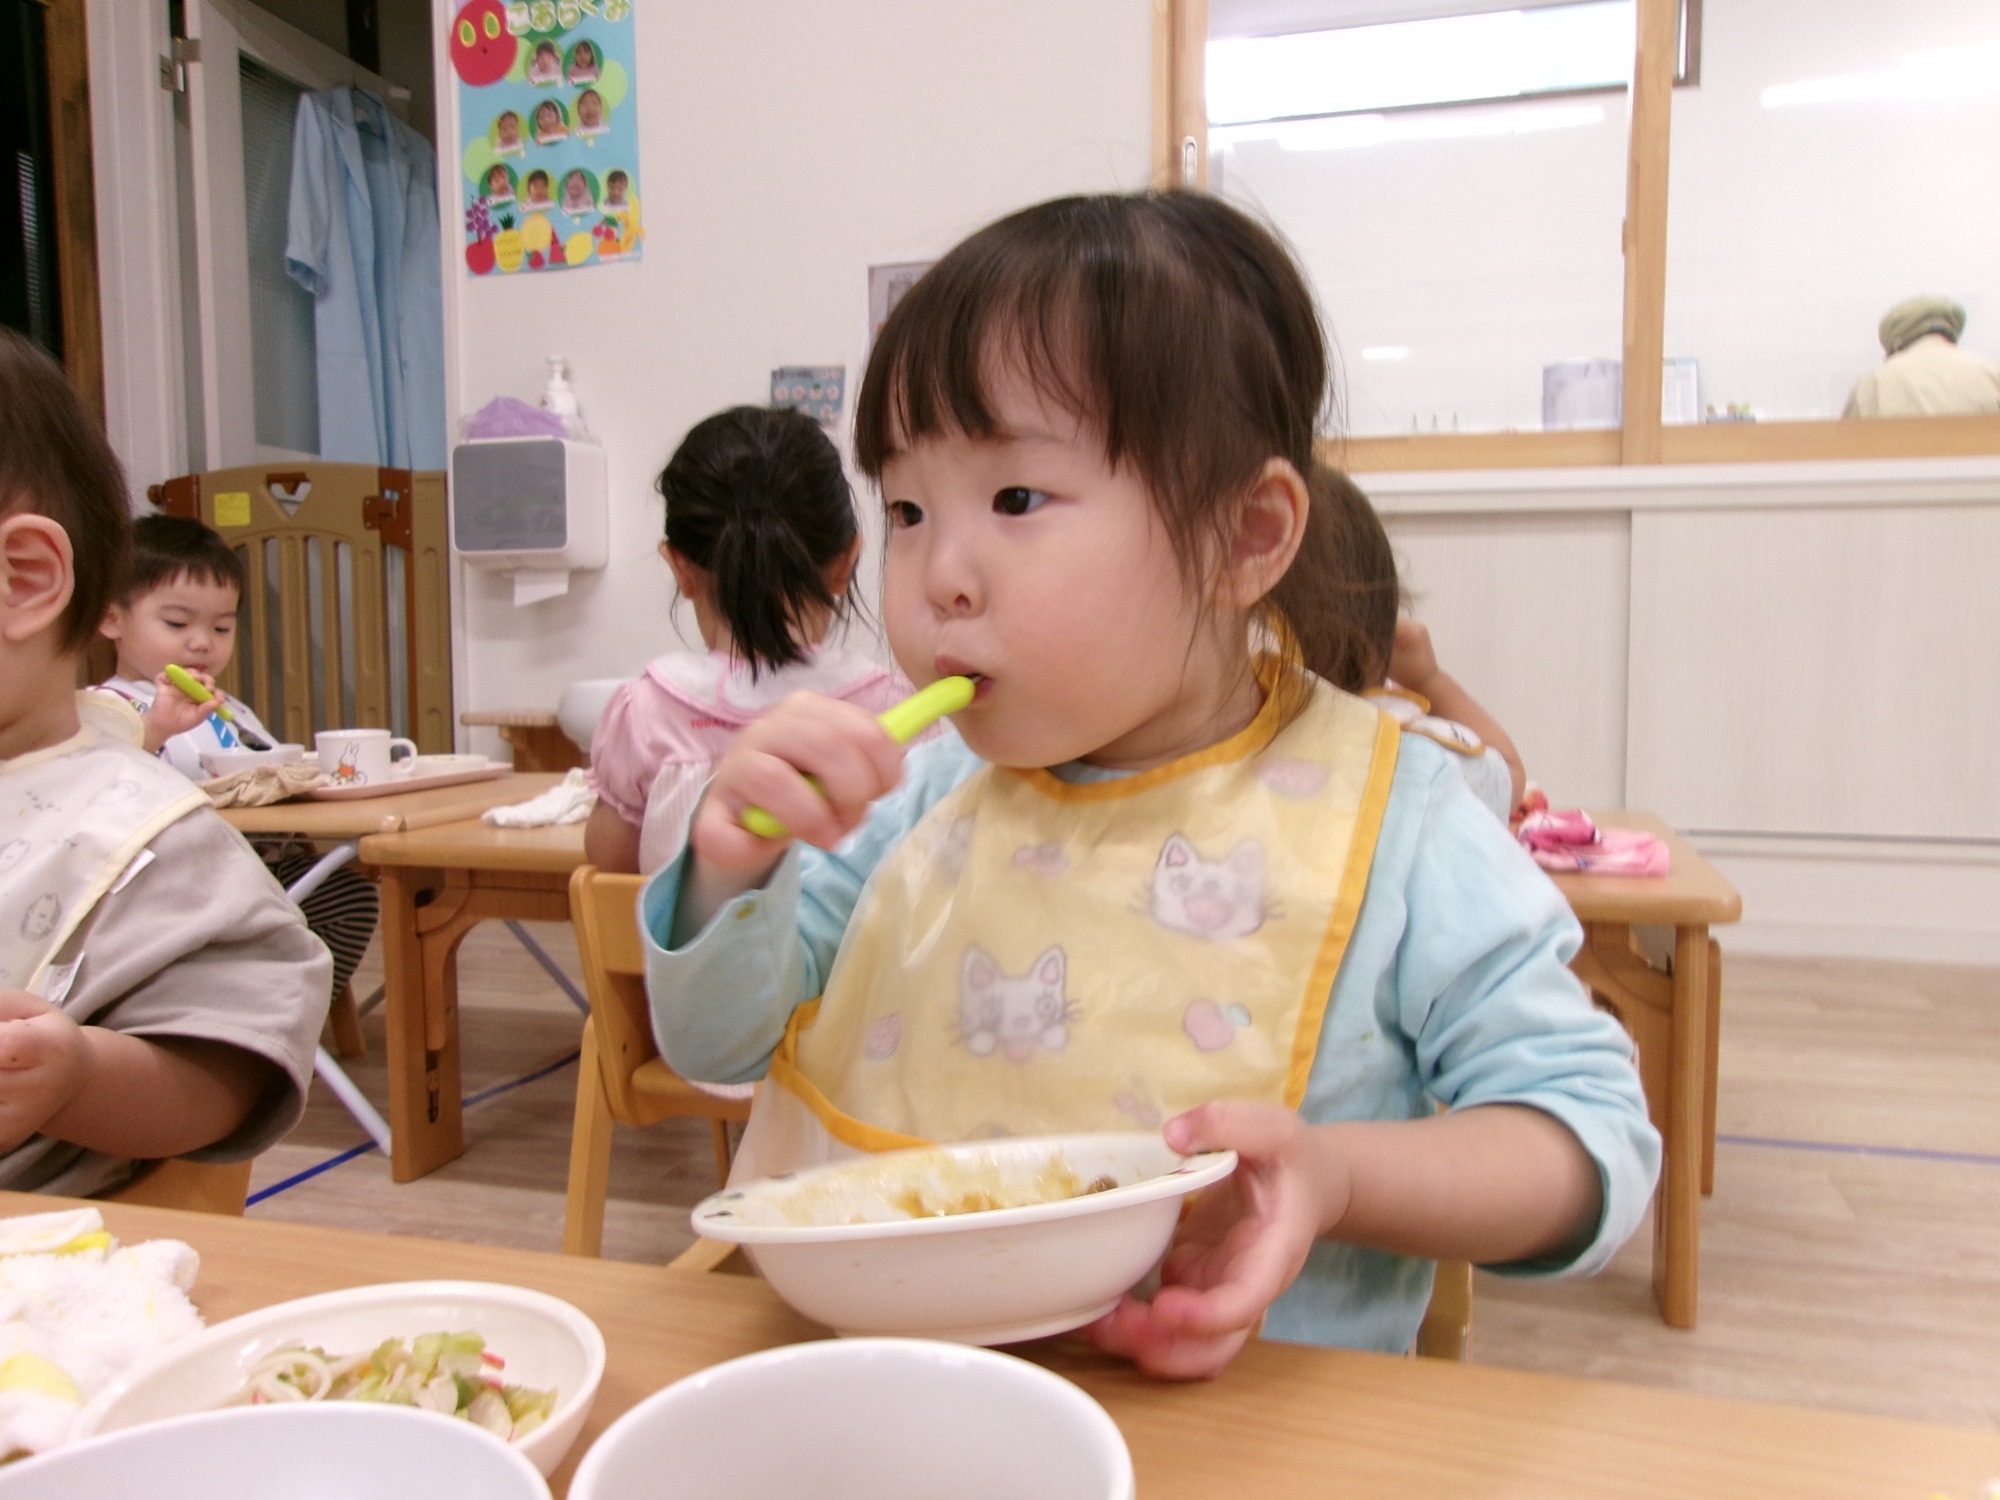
[1038, 956]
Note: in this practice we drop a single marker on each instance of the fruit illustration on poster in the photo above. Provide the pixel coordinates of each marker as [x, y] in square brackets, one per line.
[482, 48]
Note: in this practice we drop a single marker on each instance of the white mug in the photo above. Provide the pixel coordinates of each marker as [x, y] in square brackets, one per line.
[359, 757]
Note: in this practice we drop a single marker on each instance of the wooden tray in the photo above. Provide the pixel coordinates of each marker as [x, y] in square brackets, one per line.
[396, 786]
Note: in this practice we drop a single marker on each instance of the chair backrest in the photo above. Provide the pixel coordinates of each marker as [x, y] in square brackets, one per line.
[346, 618]
[205, 1187]
[604, 910]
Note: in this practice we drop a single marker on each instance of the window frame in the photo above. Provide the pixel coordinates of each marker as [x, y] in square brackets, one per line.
[1668, 47]
[1687, 68]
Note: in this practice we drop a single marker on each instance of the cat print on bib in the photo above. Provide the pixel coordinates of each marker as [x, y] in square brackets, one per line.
[42, 917]
[1217, 900]
[1015, 1016]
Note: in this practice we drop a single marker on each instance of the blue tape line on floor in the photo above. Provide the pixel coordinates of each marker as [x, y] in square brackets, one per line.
[365, 1147]
[526, 1078]
[1838, 1148]
[309, 1173]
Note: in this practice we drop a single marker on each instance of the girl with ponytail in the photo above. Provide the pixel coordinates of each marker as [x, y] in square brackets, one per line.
[762, 541]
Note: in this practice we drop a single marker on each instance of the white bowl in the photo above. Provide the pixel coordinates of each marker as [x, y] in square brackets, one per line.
[544, 1341]
[862, 1419]
[311, 1451]
[839, 1244]
[224, 762]
[582, 704]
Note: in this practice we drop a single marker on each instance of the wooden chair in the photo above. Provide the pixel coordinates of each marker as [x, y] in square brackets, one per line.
[1446, 1332]
[621, 1076]
[204, 1187]
[346, 618]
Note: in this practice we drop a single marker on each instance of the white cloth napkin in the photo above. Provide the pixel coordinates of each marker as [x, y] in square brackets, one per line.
[76, 1311]
[568, 801]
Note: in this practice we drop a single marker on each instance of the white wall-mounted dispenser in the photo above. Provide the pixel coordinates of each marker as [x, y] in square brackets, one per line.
[531, 507]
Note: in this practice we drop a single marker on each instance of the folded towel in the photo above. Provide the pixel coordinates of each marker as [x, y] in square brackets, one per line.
[262, 785]
[76, 1311]
[568, 801]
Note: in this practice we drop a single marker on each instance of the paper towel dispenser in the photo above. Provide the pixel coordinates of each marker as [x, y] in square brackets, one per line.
[532, 507]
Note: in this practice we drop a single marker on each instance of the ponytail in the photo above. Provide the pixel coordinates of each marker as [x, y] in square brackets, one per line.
[1337, 603]
[757, 499]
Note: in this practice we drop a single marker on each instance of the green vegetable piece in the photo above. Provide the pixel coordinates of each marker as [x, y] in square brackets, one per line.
[489, 1411]
[424, 1356]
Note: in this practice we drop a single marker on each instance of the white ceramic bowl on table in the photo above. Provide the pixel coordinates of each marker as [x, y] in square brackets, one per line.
[862, 1419]
[308, 1451]
[544, 1341]
[224, 762]
[841, 1244]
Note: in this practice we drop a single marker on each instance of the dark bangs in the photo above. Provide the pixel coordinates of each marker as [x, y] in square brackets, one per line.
[1174, 327]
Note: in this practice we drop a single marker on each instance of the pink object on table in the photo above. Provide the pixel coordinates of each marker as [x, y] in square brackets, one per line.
[1569, 843]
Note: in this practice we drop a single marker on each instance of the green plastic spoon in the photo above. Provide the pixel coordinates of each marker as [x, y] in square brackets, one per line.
[902, 722]
[181, 679]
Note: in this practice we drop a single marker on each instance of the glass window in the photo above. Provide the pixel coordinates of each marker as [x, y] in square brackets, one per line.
[1839, 158]
[1509, 54]
[1467, 258]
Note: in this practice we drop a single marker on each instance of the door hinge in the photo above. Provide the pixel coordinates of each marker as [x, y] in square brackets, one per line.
[174, 65]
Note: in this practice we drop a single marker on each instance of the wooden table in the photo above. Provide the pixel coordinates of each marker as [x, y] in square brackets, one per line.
[437, 884]
[392, 812]
[1673, 1019]
[1283, 1421]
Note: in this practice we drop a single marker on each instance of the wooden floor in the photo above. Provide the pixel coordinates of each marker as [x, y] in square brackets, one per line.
[1850, 1255]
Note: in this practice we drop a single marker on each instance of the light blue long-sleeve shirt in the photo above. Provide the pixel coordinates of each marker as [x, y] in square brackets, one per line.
[1455, 989]
[362, 237]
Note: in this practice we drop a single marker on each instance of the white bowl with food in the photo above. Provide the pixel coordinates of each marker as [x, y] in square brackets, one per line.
[220, 763]
[986, 1242]
[302, 1452]
[862, 1419]
[520, 1363]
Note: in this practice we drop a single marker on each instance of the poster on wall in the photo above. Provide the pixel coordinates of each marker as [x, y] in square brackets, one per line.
[886, 286]
[548, 119]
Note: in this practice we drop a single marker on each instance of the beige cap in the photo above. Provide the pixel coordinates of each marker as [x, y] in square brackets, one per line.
[1908, 321]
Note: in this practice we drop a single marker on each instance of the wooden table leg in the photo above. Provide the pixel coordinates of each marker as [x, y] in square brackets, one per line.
[425, 1117]
[1677, 1211]
[1714, 1068]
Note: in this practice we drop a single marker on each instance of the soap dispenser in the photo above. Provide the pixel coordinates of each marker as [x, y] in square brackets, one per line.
[559, 397]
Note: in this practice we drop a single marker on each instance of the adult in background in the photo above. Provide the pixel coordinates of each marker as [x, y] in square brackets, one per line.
[1926, 374]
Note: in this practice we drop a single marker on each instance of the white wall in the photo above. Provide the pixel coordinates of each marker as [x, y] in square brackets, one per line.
[1790, 663]
[1791, 230]
[785, 147]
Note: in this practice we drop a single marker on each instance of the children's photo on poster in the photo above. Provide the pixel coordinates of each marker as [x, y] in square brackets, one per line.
[548, 133]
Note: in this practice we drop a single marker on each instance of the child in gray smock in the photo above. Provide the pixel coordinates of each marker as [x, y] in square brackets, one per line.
[159, 995]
